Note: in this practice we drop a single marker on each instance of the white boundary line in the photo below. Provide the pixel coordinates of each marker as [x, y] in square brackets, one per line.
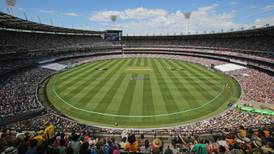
[128, 116]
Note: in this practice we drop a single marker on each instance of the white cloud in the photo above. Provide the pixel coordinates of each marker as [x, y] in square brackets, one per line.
[156, 21]
[208, 8]
[137, 13]
[72, 14]
[142, 13]
[268, 8]
[264, 21]
[103, 16]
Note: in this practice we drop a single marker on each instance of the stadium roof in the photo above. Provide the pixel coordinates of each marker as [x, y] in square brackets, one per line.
[264, 31]
[11, 22]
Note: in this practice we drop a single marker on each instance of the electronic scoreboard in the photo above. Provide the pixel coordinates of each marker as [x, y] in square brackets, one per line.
[112, 35]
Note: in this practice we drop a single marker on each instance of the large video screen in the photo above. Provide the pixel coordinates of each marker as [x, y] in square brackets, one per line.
[113, 35]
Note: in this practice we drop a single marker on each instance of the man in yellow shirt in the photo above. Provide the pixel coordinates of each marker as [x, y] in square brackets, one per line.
[39, 137]
[49, 130]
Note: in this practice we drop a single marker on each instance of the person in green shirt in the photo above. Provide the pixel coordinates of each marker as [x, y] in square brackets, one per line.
[200, 148]
[61, 147]
[168, 151]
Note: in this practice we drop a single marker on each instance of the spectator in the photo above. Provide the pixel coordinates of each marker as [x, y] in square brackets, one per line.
[75, 143]
[156, 146]
[168, 150]
[132, 145]
[146, 148]
[200, 148]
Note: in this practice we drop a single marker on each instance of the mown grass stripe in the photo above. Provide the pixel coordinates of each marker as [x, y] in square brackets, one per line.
[200, 90]
[211, 84]
[78, 77]
[137, 101]
[171, 85]
[108, 97]
[193, 84]
[77, 86]
[203, 69]
[126, 102]
[117, 99]
[136, 107]
[206, 72]
[91, 93]
[214, 76]
[170, 103]
[157, 97]
[79, 80]
[91, 66]
[147, 104]
[74, 71]
[197, 92]
[187, 96]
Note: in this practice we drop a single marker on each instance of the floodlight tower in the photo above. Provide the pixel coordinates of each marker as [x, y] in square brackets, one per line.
[10, 4]
[187, 16]
[113, 18]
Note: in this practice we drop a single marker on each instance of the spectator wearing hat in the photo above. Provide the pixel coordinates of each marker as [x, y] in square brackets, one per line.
[156, 145]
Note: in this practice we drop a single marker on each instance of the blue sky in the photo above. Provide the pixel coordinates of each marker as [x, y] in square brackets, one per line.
[147, 16]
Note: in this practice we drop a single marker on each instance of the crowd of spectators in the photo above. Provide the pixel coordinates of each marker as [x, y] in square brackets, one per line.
[28, 48]
[261, 46]
[251, 54]
[18, 92]
[230, 119]
[257, 86]
[41, 41]
[47, 140]
[21, 49]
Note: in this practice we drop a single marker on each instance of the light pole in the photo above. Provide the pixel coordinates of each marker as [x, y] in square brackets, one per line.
[113, 18]
[10, 4]
[187, 16]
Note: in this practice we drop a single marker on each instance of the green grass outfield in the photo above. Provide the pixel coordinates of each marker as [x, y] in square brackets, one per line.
[140, 92]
